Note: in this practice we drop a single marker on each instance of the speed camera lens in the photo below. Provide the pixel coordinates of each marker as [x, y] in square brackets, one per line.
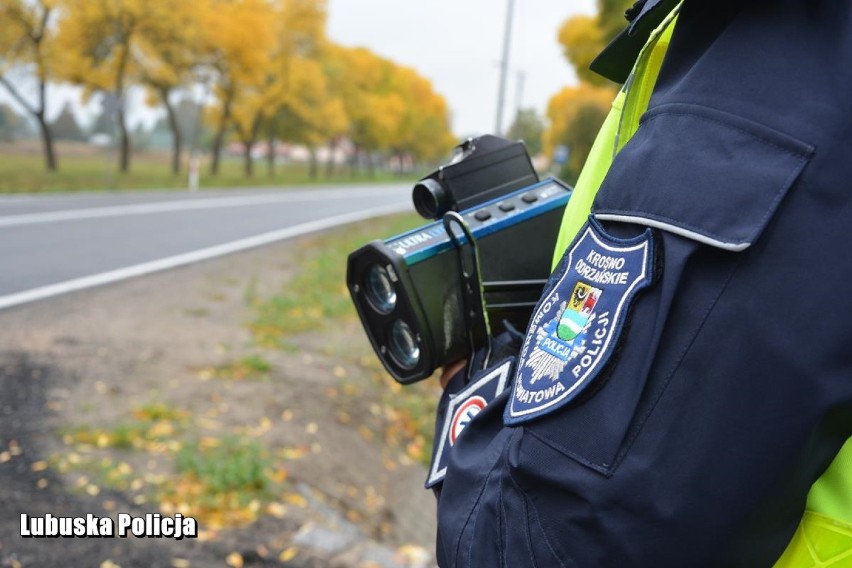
[379, 288]
[403, 345]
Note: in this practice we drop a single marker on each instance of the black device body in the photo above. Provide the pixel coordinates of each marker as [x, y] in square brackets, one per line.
[408, 289]
[482, 169]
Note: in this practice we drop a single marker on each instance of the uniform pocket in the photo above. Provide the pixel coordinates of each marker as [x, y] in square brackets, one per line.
[704, 174]
[707, 183]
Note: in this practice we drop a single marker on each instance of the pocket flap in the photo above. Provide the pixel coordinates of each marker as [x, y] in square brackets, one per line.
[701, 173]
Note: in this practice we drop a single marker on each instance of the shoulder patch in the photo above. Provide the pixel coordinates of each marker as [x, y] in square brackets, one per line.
[576, 326]
[462, 409]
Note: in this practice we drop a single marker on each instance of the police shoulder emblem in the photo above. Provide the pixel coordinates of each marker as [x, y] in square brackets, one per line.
[462, 408]
[576, 326]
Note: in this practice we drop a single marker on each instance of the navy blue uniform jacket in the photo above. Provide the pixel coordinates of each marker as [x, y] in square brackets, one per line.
[729, 388]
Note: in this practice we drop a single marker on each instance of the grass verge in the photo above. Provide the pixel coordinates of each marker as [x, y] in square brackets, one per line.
[317, 295]
[86, 168]
[316, 299]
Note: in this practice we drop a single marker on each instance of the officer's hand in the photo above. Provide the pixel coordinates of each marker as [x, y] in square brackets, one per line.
[450, 371]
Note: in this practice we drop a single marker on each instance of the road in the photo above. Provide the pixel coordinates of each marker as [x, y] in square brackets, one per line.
[53, 244]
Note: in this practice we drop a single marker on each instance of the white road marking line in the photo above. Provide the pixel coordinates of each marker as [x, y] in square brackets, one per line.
[194, 256]
[184, 205]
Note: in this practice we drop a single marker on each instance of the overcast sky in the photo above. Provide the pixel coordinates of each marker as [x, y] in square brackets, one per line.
[458, 45]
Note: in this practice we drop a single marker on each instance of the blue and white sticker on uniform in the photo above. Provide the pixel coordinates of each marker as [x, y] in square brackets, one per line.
[463, 407]
[576, 327]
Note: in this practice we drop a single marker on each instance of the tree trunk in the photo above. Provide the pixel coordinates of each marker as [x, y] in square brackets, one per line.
[124, 156]
[270, 151]
[47, 143]
[329, 163]
[39, 114]
[177, 143]
[353, 160]
[248, 165]
[219, 139]
[314, 163]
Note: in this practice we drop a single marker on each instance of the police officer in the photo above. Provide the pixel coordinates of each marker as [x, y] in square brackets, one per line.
[687, 374]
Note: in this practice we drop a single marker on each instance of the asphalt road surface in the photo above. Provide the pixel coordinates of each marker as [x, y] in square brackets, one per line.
[53, 244]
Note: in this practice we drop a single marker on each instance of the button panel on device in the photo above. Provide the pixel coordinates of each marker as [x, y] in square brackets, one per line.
[515, 205]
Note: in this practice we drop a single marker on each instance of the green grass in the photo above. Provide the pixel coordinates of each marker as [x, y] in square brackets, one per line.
[235, 465]
[317, 295]
[250, 367]
[152, 424]
[156, 411]
[85, 168]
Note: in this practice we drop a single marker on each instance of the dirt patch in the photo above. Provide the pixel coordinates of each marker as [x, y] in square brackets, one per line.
[118, 399]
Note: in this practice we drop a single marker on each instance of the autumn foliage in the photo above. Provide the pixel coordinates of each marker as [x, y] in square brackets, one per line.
[576, 113]
[266, 68]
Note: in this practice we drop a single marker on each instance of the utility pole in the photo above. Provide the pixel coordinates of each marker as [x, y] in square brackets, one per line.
[504, 68]
[519, 92]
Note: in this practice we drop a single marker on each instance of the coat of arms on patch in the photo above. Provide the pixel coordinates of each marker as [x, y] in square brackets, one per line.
[576, 326]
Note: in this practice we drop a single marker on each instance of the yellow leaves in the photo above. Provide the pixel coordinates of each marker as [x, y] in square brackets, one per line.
[568, 113]
[238, 38]
[296, 500]
[388, 463]
[292, 453]
[366, 433]
[27, 29]
[235, 560]
[276, 510]
[389, 107]
[414, 555]
[288, 554]
[581, 41]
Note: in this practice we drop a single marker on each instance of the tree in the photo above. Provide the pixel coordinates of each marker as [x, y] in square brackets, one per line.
[26, 38]
[423, 129]
[362, 80]
[105, 45]
[529, 127]
[165, 57]
[311, 115]
[235, 47]
[576, 114]
[583, 37]
[292, 76]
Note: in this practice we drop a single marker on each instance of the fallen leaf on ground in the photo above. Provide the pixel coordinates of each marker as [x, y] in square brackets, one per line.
[288, 554]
